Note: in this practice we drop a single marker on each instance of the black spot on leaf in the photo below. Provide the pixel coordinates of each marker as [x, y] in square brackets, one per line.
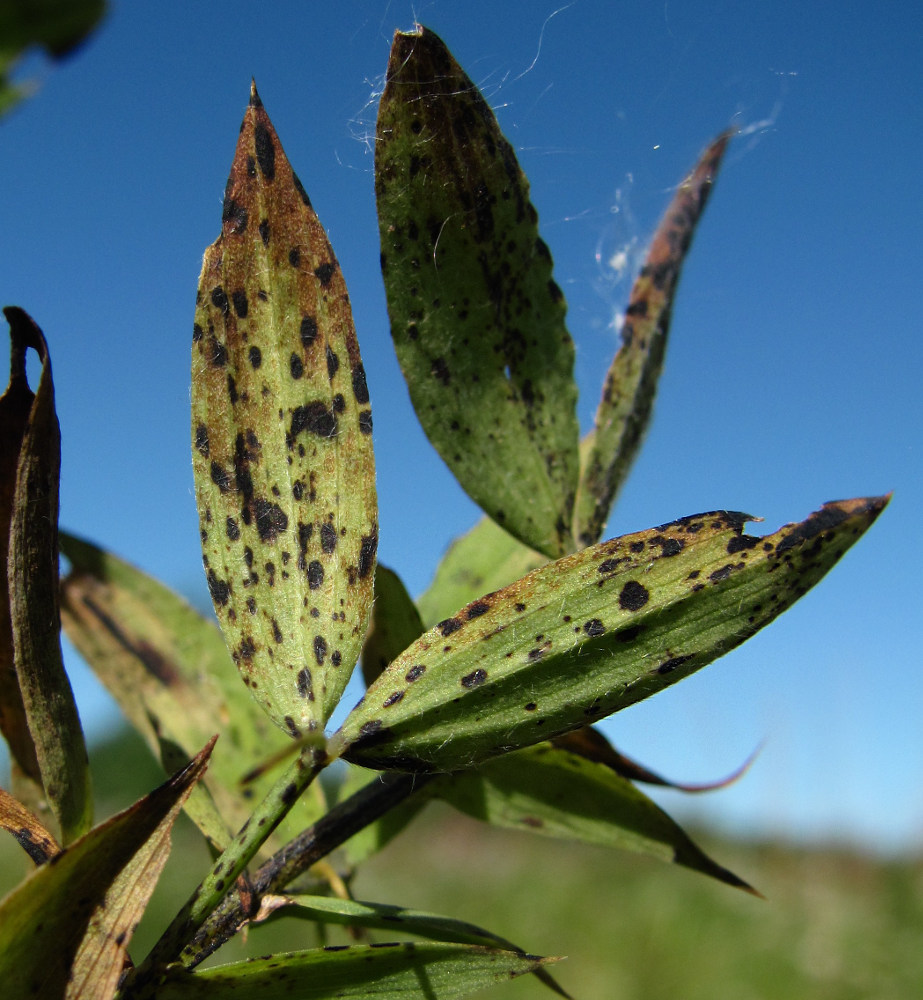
[360, 386]
[265, 151]
[201, 440]
[324, 273]
[315, 574]
[271, 519]
[474, 679]
[328, 537]
[633, 596]
[308, 330]
[314, 418]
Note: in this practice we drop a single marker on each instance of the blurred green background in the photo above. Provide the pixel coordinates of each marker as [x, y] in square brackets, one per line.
[835, 924]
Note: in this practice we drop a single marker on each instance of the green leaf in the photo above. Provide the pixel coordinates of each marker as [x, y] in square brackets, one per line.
[382, 916]
[394, 626]
[282, 442]
[57, 25]
[484, 559]
[628, 393]
[169, 670]
[588, 635]
[68, 925]
[30, 453]
[560, 794]
[385, 972]
[476, 317]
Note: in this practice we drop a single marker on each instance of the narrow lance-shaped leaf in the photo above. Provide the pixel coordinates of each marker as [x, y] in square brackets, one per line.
[588, 635]
[168, 668]
[31, 583]
[628, 393]
[282, 435]
[476, 317]
[392, 972]
[79, 911]
[559, 794]
[381, 916]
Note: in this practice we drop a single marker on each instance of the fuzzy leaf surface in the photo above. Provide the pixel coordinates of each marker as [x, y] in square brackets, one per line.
[588, 635]
[385, 972]
[559, 794]
[282, 441]
[168, 668]
[476, 317]
[627, 402]
[64, 931]
[30, 449]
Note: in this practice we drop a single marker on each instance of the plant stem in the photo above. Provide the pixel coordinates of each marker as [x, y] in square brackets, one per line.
[219, 881]
[342, 822]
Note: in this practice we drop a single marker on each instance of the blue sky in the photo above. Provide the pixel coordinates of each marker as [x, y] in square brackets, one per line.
[794, 369]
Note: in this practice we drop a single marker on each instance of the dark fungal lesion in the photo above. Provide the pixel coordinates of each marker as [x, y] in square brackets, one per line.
[633, 596]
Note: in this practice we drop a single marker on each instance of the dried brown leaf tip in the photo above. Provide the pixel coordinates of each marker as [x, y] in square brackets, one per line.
[282, 441]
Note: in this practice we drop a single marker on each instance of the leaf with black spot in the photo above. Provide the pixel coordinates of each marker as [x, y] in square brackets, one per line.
[588, 635]
[476, 317]
[627, 401]
[284, 469]
[395, 624]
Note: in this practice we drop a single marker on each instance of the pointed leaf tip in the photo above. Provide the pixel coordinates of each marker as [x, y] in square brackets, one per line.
[282, 441]
[626, 406]
[588, 635]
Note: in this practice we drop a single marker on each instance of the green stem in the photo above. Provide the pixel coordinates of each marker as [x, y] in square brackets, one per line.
[221, 879]
[317, 841]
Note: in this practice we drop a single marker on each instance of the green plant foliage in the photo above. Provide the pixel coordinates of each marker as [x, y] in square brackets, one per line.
[628, 393]
[39, 716]
[282, 436]
[490, 709]
[390, 972]
[484, 559]
[168, 668]
[394, 626]
[589, 634]
[560, 794]
[476, 317]
[70, 922]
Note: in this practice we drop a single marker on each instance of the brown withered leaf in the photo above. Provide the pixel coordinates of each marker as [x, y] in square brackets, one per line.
[35, 688]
